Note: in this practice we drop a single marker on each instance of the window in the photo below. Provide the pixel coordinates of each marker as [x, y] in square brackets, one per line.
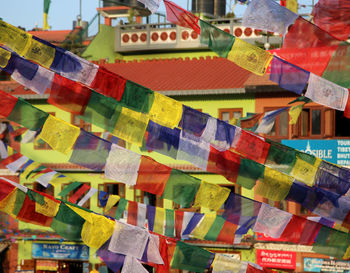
[229, 113]
[40, 144]
[86, 204]
[281, 127]
[75, 120]
[148, 198]
[315, 122]
[50, 190]
[112, 188]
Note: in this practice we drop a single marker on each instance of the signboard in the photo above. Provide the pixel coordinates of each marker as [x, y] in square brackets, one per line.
[60, 251]
[336, 151]
[326, 265]
[276, 259]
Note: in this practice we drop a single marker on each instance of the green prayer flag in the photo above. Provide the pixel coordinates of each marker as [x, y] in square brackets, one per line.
[121, 208]
[301, 98]
[137, 98]
[280, 157]
[67, 189]
[217, 40]
[36, 197]
[189, 257]
[215, 228]
[169, 222]
[27, 115]
[67, 223]
[47, 6]
[181, 188]
[20, 197]
[249, 172]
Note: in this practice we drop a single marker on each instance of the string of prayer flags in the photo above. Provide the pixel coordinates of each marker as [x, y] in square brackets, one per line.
[114, 199]
[332, 17]
[268, 15]
[327, 93]
[90, 151]
[152, 5]
[268, 121]
[15, 162]
[131, 264]
[131, 126]
[288, 76]
[249, 57]
[190, 222]
[59, 134]
[294, 113]
[169, 229]
[68, 95]
[305, 171]
[250, 122]
[152, 176]
[200, 231]
[16, 39]
[192, 258]
[181, 188]
[136, 214]
[162, 139]
[193, 121]
[49, 208]
[280, 157]
[211, 196]
[122, 165]
[216, 39]
[7, 103]
[83, 188]
[159, 221]
[181, 17]
[312, 54]
[224, 135]
[271, 221]
[165, 111]
[215, 228]
[137, 98]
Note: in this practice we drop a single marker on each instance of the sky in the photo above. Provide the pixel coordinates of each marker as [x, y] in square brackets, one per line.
[29, 13]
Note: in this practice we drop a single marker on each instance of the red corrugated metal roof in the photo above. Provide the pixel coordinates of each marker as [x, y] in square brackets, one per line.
[183, 74]
[52, 36]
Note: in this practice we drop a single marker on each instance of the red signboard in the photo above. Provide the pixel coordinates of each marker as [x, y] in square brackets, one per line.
[276, 259]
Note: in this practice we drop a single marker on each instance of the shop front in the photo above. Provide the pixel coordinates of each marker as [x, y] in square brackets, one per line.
[61, 258]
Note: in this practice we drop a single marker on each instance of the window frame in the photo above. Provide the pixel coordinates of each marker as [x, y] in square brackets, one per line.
[140, 198]
[103, 187]
[277, 125]
[87, 204]
[231, 112]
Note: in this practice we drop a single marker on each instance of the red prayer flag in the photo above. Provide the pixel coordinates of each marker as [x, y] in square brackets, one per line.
[252, 147]
[309, 233]
[347, 108]
[251, 121]
[179, 216]
[181, 17]
[7, 102]
[11, 158]
[308, 46]
[224, 163]
[333, 17]
[132, 213]
[152, 176]
[5, 189]
[292, 232]
[29, 215]
[74, 198]
[109, 84]
[227, 233]
[69, 95]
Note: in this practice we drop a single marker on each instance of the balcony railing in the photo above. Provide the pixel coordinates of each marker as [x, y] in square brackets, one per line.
[166, 36]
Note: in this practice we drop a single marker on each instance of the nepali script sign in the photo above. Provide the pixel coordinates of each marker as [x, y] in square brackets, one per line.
[276, 259]
[336, 151]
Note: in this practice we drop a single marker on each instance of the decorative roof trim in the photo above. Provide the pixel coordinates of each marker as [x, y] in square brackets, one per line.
[203, 92]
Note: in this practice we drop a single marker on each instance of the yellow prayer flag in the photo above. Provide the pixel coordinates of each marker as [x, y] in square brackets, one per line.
[40, 53]
[305, 172]
[292, 5]
[226, 264]
[275, 185]
[347, 254]
[96, 233]
[16, 39]
[59, 134]
[249, 57]
[294, 113]
[131, 126]
[165, 111]
[49, 208]
[159, 221]
[30, 168]
[202, 229]
[8, 203]
[211, 196]
[4, 57]
[112, 200]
